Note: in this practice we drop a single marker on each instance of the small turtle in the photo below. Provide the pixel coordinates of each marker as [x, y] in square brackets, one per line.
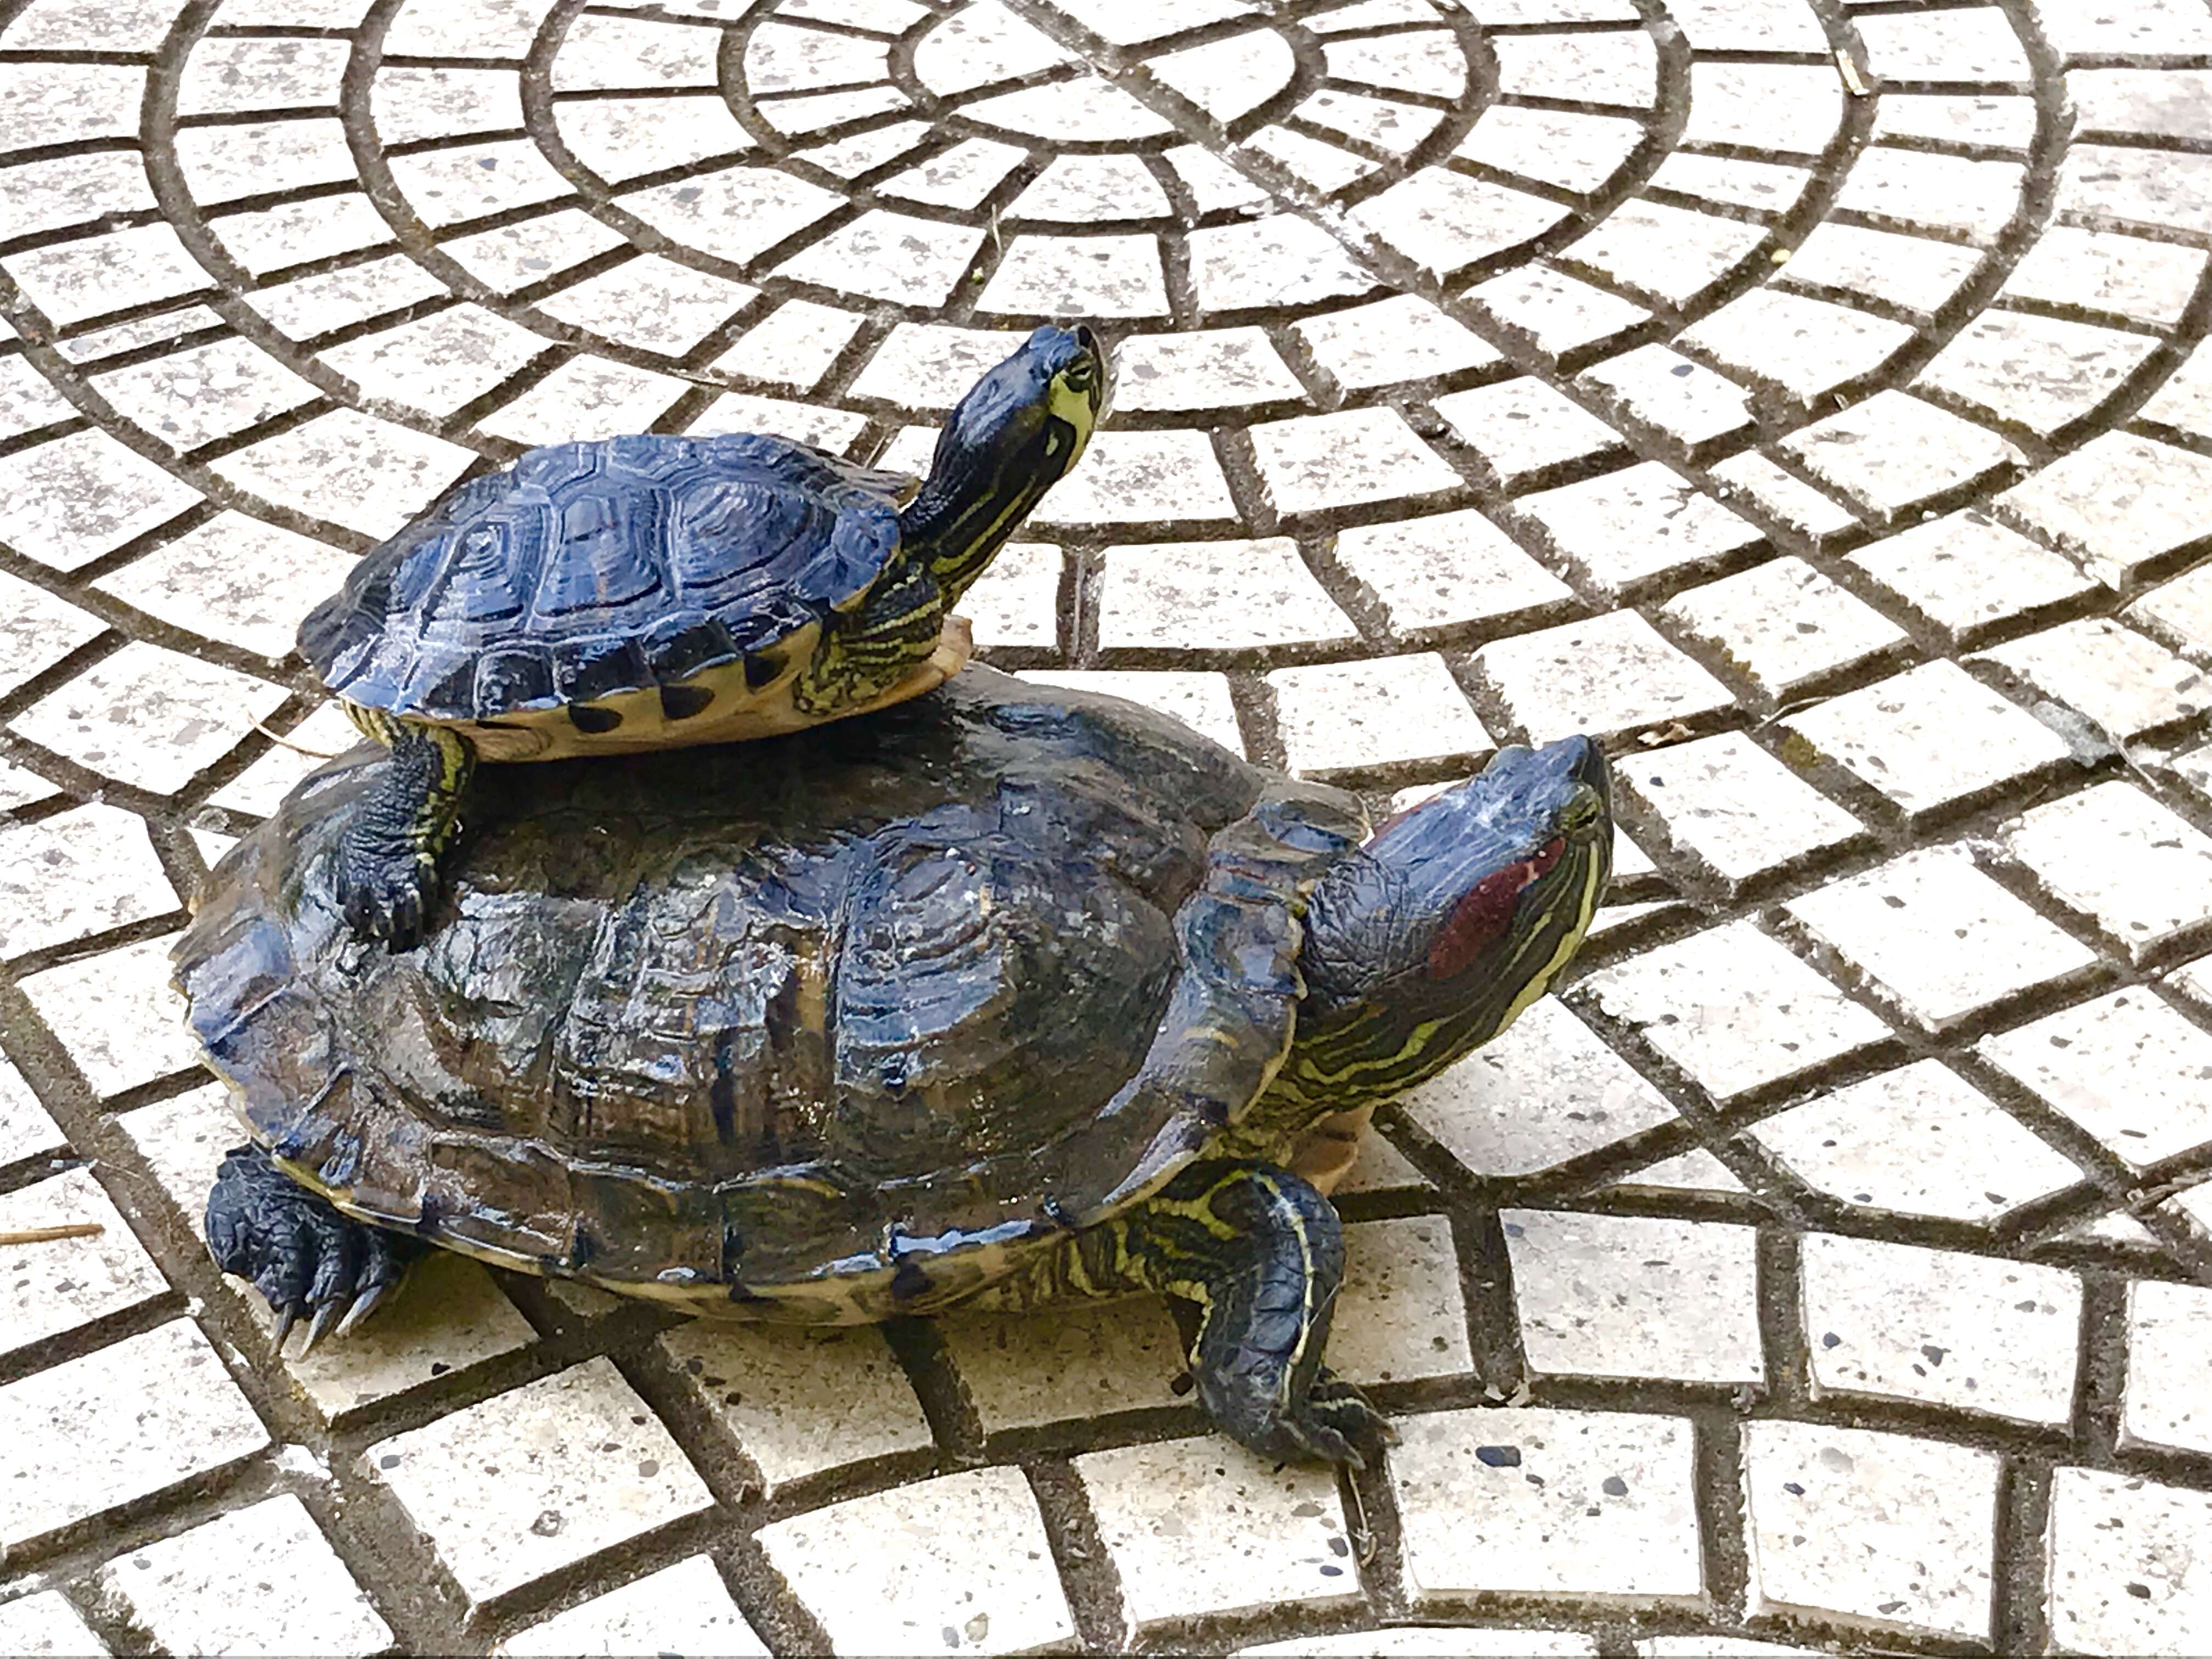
[655, 592]
[1011, 994]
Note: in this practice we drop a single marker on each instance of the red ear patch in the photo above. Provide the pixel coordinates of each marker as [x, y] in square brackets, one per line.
[1478, 918]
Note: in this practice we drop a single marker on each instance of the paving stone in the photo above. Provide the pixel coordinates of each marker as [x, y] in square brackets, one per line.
[586, 397]
[1929, 738]
[1669, 254]
[49, 1288]
[1713, 1647]
[349, 468]
[1598, 69]
[889, 1573]
[1446, 223]
[1880, 1532]
[1762, 186]
[26, 1131]
[1214, 595]
[1401, 339]
[1802, 347]
[537, 1478]
[1792, 108]
[70, 501]
[1934, 1328]
[651, 303]
[1694, 1172]
[1623, 1297]
[1400, 1316]
[1967, 574]
[2113, 1532]
[117, 1424]
[2042, 373]
[1358, 716]
[1593, 1505]
[79, 873]
[1737, 809]
[1987, 122]
[410, 104]
[624, 138]
[2140, 872]
[1976, 43]
[1937, 938]
[1893, 452]
[2179, 612]
[1457, 1641]
[1607, 677]
[2117, 678]
[1315, 463]
[185, 1590]
[1276, 261]
[116, 1016]
[2125, 1067]
[1569, 149]
[1200, 702]
[682, 1609]
[2113, 188]
[1212, 369]
[2154, 102]
[799, 1402]
[205, 393]
[312, 306]
[1522, 428]
[235, 579]
[1141, 477]
[1047, 1366]
[1911, 272]
[1783, 626]
[1663, 389]
[2096, 270]
[2118, 503]
[75, 190]
[1734, 1009]
[1918, 1141]
[833, 429]
[44, 1623]
[1558, 314]
[2163, 1405]
[149, 717]
[1437, 573]
[1752, 479]
[1628, 528]
[1203, 1526]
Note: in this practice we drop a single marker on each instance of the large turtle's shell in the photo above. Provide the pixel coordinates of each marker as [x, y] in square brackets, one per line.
[843, 1022]
[586, 571]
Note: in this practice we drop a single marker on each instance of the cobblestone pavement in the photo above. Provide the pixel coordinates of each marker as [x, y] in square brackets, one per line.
[1803, 395]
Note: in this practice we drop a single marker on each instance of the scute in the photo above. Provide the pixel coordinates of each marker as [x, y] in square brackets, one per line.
[573, 574]
[813, 1017]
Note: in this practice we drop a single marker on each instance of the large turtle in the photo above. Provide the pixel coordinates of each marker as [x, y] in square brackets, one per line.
[652, 592]
[1007, 994]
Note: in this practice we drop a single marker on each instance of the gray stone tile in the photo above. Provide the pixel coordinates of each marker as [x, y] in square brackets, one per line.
[1880, 1532]
[1893, 452]
[1783, 625]
[2124, 1066]
[2117, 502]
[1610, 675]
[1593, 1505]
[1624, 1297]
[2164, 1405]
[1439, 572]
[682, 1609]
[2123, 1557]
[1967, 574]
[2142, 872]
[1733, 806]
[2120, 680]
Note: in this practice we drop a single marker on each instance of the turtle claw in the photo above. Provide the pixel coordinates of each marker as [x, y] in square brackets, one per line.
[363, 1305]
[308, 1261]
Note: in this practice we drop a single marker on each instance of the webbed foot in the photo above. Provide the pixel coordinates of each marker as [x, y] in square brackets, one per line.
[1262, 1253]
[388, 872]
[307, 1260]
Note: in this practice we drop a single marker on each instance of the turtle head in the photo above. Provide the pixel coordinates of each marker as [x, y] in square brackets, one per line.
[1015, 434]
[1454, 916]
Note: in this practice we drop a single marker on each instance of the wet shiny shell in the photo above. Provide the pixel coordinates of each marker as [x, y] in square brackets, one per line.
[591, 570]
[821, 1028]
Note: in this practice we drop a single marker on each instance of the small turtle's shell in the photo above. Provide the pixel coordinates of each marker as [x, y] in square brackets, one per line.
[587, 571]
[829, 1027]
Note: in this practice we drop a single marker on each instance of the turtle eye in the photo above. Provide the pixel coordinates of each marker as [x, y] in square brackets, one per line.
[1079, 375]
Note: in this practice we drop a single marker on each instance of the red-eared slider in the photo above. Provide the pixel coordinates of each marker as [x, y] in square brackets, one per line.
[655, 592]
[1009, 994]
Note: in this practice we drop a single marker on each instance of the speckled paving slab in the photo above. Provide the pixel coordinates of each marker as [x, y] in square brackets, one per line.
[1806, 396]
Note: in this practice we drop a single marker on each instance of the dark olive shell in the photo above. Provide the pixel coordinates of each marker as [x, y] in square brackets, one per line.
[866, 1011]
[585, 570]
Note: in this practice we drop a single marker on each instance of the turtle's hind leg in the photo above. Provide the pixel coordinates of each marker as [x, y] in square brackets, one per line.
[304, 1257]
[1261, 1255]
[387, 874]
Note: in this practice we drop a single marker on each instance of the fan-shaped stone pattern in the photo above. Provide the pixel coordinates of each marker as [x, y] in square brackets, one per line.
[1783, 393]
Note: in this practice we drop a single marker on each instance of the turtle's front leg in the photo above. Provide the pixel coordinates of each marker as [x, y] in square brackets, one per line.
[1261, 1255]
[298, 1251]
[387, 874]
